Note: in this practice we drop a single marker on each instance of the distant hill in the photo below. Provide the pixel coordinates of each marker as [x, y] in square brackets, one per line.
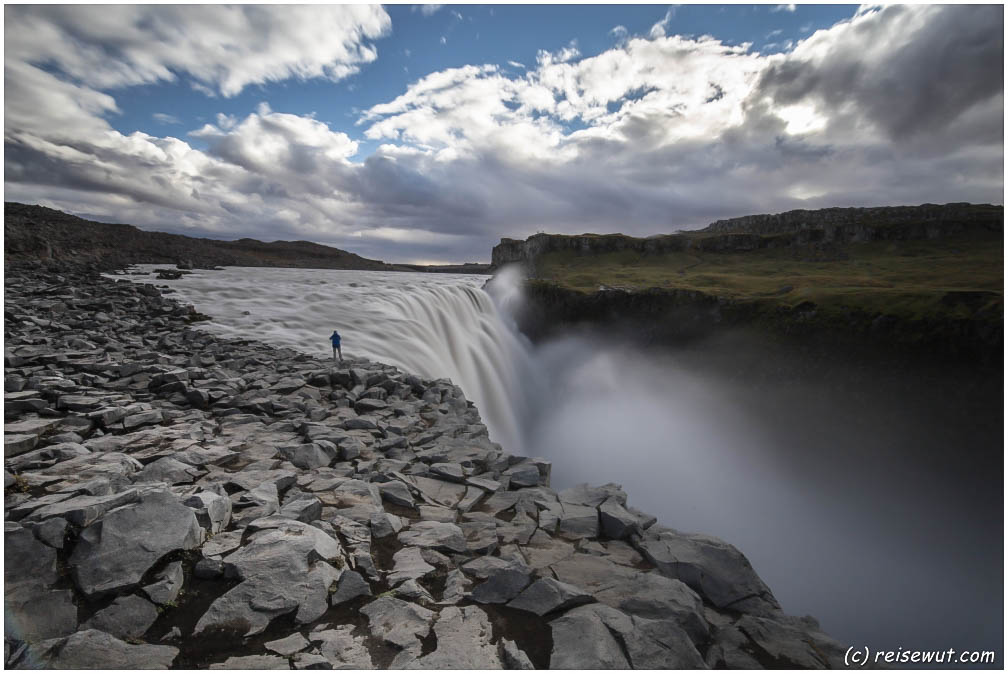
[40, 233]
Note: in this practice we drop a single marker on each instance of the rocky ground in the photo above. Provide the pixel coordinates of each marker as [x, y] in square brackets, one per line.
[173, 499]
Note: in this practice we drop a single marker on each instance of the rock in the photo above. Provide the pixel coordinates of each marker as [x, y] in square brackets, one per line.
[307, 456]
[81, 511]
[116, 552]
[448, 471]
[581, 640]
[257, 503]
[408, 565]
[127, 617]
[547, 595]
[168, 585]
[397, 622]
[351, 585]
[222, 543]
[34, 613]
[501, 587]
[463, 641]
[208, 568]
[514, 657]
[213, 511]
[143, 419]
[253, 662]
[711, 567]
[456, 586]
[94, 649]
[396, 492]
[484, 567]
[787, 646]
[437, 535]
[385, 524]
[523, 475]
[578, 521]
[288, 646]
[167, 469]
[15, 444]
[617, 523]
[341, 649]
[52, 532]
[305, 509]
[281, 573]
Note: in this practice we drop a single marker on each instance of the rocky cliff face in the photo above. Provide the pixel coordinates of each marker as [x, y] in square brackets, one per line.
[825, 227]
[39, 233]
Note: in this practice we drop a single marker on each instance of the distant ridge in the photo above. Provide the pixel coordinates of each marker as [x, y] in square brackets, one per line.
[34, 232]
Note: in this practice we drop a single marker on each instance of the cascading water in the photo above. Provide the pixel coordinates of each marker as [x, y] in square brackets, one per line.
[840, 503]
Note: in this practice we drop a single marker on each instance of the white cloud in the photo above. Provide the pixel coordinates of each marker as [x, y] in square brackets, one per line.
[619, 32]
[221, 48]
[426, 10]
[783, 8]
[165, 118]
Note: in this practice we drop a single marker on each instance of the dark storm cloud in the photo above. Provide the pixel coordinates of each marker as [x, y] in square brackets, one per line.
[932, 71]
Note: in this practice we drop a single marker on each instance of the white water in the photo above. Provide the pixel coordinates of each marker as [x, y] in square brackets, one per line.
[851, 511]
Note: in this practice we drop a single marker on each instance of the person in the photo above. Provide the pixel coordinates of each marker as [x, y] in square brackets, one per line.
[336, 350]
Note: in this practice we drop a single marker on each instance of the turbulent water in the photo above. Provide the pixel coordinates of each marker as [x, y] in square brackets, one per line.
[880, 517]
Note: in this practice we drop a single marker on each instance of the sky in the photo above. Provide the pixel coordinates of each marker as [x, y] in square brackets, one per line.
[425, 133]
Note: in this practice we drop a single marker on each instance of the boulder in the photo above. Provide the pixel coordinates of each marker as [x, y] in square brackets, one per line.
[547, 595]
[502, 586]
[351, 585]
[115, 552]
[408, 565]
[168, 585]
[127, 617]
[94, 649]
[399, 623]
[463, 642]
[438, 535]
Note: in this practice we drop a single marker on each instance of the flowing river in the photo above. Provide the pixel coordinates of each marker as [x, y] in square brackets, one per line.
[880, 516]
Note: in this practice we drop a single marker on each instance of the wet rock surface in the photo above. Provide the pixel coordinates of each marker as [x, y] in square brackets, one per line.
[175, 499]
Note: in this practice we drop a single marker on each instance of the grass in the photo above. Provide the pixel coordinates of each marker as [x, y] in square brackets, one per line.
[911, 279]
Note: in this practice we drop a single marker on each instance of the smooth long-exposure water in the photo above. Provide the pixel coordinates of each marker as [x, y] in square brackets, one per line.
[879, 516]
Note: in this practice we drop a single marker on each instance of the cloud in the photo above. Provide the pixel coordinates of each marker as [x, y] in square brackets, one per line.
[165, 118]
[515, 64]
[218, 48]
[619, 32]
[426, 10]
[783, 8]
[899, 105]
[660, 29]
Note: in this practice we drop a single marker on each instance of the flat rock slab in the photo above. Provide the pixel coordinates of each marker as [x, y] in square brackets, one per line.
[83, 510]
[19, 443]
[438, 535]
[547, 595]
[502, 586]
[398, 622]
[34, 613]
[94, 649]
[341, 649]
[409, 564]
[351, 585]
[253, 662]
[289, 645]
[115, 552]
[463, 642]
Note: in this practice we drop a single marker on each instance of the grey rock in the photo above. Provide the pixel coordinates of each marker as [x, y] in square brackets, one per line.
[94, 649]
[213, 511]
[222, 543]
[396, 492]
[167, 469]
[408, 565]
[790, 646]
[281, 573]
[16, 443]
[514, 657]
[456, 586]
[523, 475]
[289, 645]
[712, 568]
[501, 587]
[547, 595]
[307, 456]
[116, 552]
[168, 585]
[127, 617]
[578, 521]
[351, 585]
[341, 649]
[581, 640]
[617, 523]
[397, 622]
[83, 510]
[305, 509]
[253, 662]
[448, 471]
[143, 419]
[35, 613]
[437, 535]
[385, 524]
[463, 641]
[259, 502]
[484, 567]
[52, 532]
[27, 560]
[208, 568]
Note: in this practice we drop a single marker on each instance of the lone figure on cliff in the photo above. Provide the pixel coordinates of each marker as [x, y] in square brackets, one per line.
[336, 350]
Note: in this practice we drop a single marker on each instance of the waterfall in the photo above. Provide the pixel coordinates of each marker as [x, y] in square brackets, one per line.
[433, 325]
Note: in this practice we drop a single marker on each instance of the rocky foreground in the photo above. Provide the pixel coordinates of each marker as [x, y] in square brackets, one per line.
[173, 499]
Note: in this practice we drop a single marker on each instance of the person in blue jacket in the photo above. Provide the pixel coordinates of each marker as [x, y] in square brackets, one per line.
[336, 350]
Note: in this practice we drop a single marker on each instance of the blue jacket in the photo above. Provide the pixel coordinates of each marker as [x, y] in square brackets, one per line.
[335, 338]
